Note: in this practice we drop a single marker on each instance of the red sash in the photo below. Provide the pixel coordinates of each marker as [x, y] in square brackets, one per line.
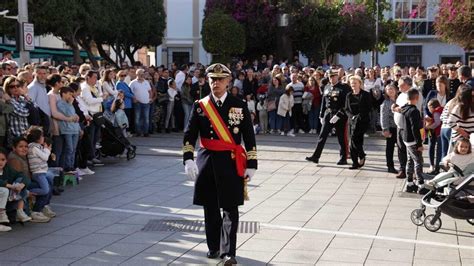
[225, 141]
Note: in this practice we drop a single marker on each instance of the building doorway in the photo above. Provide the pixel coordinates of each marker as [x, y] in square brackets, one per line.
[179, 56]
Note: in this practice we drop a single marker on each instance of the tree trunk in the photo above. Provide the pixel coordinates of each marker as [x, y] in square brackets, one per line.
[130, 54]
[86, 44]
[76, 52]
[104, 55]
[118, 52]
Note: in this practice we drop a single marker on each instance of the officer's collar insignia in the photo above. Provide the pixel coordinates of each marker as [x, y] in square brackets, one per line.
[199, 110]
[236, 130]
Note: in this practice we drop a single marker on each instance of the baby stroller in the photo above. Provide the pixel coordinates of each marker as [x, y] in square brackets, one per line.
[113, 141]
[457, 203]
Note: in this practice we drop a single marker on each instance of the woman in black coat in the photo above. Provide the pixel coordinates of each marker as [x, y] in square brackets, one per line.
[358, 107]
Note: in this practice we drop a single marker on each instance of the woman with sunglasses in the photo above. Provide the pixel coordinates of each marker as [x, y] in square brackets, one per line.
[18, 119]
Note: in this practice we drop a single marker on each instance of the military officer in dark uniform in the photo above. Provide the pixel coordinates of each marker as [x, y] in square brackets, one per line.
[222, 122]
[333, 116]
[430, 83]
[454, 82]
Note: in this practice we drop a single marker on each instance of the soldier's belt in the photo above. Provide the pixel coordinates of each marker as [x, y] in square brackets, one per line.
[238, 150]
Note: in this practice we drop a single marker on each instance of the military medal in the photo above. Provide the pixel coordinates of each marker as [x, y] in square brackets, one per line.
[199, 110]
[236, 130]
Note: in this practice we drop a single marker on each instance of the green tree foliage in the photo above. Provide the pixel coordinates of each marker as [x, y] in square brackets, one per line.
[222, 35]
[455, 22]
[315, 27]
[124, 25]
[259, 19]
[323, 28]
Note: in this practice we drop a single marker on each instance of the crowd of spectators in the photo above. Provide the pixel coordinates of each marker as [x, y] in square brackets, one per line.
[47, 113]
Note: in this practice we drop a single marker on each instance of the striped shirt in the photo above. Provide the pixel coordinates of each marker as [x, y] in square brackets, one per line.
[298, 90]
[38, 158]
[456, 122]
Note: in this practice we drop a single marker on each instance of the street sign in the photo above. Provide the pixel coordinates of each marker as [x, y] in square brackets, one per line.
[28, 36]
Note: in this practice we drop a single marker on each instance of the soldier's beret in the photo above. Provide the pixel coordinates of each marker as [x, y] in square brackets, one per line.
[217, 70]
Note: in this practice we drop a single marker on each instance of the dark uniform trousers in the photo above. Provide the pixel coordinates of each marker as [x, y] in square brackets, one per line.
[358, 129]
[221, 231]
[341, 134]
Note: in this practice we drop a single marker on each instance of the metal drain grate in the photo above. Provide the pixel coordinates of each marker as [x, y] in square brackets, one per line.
[245, 227]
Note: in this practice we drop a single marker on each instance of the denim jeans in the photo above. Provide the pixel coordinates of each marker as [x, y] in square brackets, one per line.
[70, 144]
[58, 150]
[169, 115]
[286, 123]
[434, 147]
[313, 117]
[187, 108]
[152, 120]
[272, 118]
[44, 181]
[445, 141]
[142, 117]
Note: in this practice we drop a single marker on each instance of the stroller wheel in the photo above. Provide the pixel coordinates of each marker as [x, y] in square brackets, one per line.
[131, 153]
[417, 217]
[471, 221]
[431, 224]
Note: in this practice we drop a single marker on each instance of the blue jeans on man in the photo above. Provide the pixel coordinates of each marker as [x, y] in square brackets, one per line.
[142, 117]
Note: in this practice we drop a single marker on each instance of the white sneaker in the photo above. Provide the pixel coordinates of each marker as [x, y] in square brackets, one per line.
[38, 217]
[291, 134]
[4, 228]
[4, 217]
[21, 216]
[301, 131]
[48, 212]
[271, 131]
[86, 171]
[80, 172]
[96, 161]
[282, 133]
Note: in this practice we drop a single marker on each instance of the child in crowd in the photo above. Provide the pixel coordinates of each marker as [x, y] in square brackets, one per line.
[250, 103]
[461, 157]
[69, 130]
[284, 110]
[433, 126]
[262, 113]
[411, 136]
[120, 118]
[172, 93]
[12, 192]
[38, 155]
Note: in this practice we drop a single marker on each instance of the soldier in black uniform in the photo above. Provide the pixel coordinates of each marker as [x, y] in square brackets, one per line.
[218, 182]
[430, 83]
[454, 82]
[333, 115]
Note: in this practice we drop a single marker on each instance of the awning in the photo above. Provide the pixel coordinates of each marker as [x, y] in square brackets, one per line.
[47, 53]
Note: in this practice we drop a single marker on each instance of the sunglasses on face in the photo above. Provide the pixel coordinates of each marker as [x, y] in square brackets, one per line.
[122, 76]
[14, 86]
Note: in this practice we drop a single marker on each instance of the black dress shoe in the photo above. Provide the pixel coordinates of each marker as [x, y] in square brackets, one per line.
[229, 260]
[312, 159]
[342, 162]
[212, 254]
[355, 166]
[392, 170]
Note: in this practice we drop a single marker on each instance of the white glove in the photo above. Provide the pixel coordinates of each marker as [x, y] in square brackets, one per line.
[334, 119]
[191, 169]
[321, 120]
[249, 172]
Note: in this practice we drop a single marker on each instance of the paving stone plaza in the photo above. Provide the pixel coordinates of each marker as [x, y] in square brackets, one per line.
[306, 214]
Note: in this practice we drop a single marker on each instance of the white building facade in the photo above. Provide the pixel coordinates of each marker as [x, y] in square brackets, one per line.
[182, 42]
[421, 47]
